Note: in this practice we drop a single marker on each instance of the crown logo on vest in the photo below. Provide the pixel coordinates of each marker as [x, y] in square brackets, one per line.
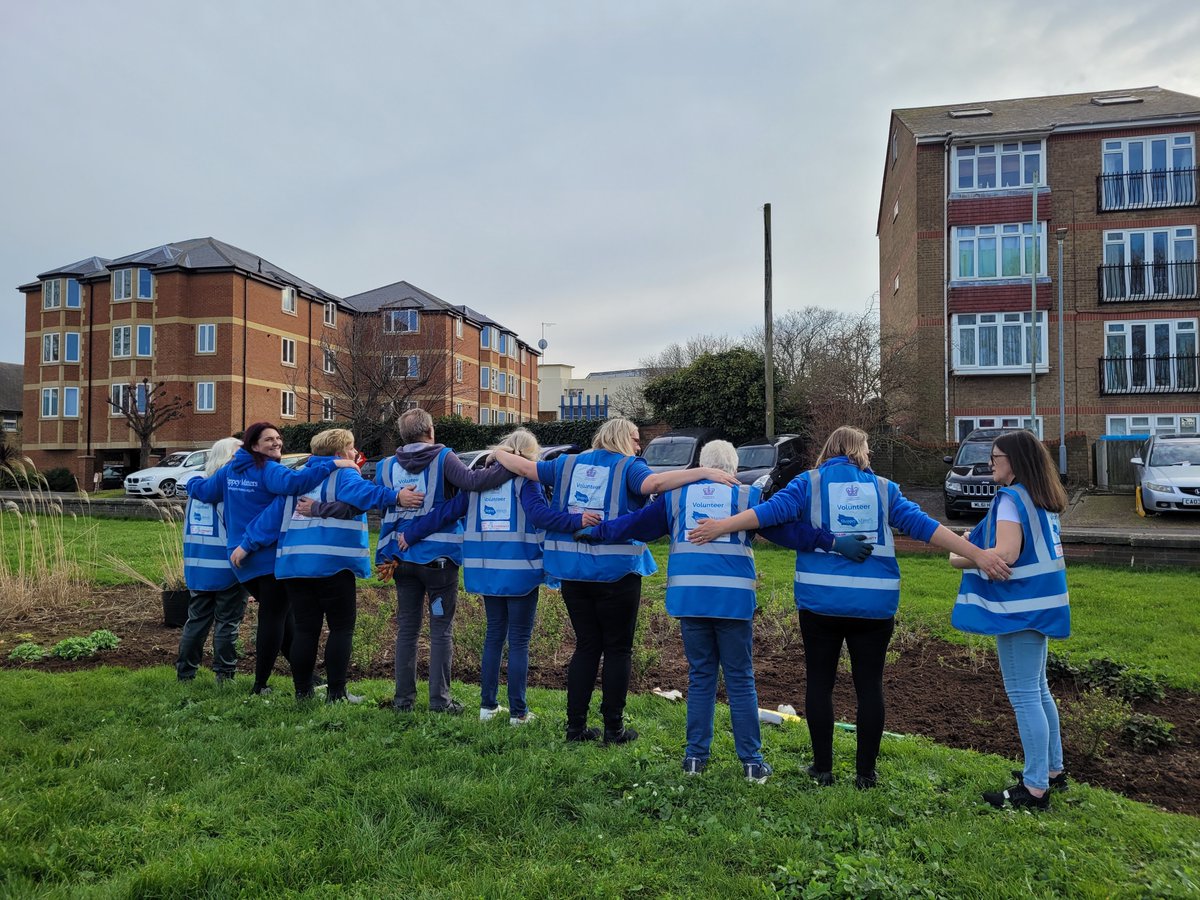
[590, 472]
[852, 490]
[708, 490]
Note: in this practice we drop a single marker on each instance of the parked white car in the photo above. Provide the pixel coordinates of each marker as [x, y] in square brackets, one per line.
[160, 481]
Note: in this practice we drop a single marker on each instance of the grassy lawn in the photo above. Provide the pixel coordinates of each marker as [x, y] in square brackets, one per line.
[129, 784]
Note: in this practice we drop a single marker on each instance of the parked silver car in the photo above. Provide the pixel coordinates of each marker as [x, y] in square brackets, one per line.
[1169, 473]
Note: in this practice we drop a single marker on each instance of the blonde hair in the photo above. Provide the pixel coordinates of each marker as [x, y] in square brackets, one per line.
[521, 442]
[222, 452]
[846, 441]
[331, 441]
[720, 455]
[616, 436]
[414, 425]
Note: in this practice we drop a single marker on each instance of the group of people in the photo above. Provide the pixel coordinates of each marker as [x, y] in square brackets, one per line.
[297, 540]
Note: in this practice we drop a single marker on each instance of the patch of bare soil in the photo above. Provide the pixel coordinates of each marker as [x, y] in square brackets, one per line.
[949, 693]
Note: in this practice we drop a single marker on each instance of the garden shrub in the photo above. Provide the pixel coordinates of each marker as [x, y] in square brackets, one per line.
[104, 639]
[1147, 733]
[61, 479]
[1094, 719]
[27, 651]
[1119, 680]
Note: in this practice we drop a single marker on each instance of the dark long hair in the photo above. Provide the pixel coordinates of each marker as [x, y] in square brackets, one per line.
[251, 437]
[1034, 469]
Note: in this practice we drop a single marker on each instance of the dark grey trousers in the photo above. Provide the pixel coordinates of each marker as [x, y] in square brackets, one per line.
[416, 585]
[224, 609]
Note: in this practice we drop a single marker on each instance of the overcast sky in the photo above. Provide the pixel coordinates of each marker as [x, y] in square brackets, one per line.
[600, 165]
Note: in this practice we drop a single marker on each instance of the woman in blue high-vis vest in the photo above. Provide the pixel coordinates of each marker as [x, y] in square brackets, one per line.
[247, 485]
[1025, 611]
[217, 595]
[843, 602]
[602, 583]
[503, 530]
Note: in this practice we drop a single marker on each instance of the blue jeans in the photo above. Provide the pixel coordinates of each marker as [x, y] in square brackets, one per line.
[511, 619]
[1023, 664]
[708, 643]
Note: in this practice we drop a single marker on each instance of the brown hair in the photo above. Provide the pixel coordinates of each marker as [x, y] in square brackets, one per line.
[616, 436]
[1033, 469]
[251, 437]
[846, 441]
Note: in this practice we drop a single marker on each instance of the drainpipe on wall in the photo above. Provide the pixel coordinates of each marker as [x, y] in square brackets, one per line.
[245, 322]
[91, 330]
[946, 349]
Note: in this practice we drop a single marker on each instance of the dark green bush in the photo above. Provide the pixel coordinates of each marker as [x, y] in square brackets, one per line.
[61, 479]
[1147, 732]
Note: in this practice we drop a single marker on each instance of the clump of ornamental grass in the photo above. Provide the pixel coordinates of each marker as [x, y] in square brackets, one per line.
[169, 556]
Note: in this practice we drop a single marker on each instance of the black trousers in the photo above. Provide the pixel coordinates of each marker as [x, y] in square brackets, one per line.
[604, 615]
[275, 626]
[867, 640]
[314, 600]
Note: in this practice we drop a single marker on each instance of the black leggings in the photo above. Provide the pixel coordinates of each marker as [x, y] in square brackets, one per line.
[275, 626]
[313, 599]
[604, 615]
[867, 641]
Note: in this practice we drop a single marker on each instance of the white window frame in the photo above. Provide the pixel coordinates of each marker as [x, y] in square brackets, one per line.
[49, 408]
[512, 346]
[9, 423]
[485, 379]
[331, 314]
[118, 395]
[123, 348]
[523, 356]
[51, 348]
[122, 285]
[964, 425]
[1155, 424]
[206, 338]
[287, 404]
[149, 295]
[328, 407]
[458, 411]
[288, 300]
[1136, 276]
[52, 293]
[501, 417]
[502, 382]
[458, 370]
[78, 342]
[895, 146]
[328, 361]
[206, 396]
[1180, 333]
[412, 321]
[1163, 182]
[974, 323]
[524, 386]
[485, 337]
[484, 416]
[148, 331]
[967, 239]
[458, 328]
[394, 368]
[70, 397]
[76, 289]
[1030, 154]
[287, 352]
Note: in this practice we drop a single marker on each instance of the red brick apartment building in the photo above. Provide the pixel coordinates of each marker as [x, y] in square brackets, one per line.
[244, 341]
[1117, 190]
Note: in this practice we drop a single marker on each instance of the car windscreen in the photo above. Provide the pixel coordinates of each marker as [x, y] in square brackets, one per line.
[676, 452]
[762, 457]
[173, 461]
[1175, 454]
[974, 453]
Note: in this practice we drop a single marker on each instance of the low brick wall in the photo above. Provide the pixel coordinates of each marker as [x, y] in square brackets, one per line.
[109, 508]
[1133, 551]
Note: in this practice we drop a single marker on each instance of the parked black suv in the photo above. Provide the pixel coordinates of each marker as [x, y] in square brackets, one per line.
[758, 458]
[679, 449]
[969, 487]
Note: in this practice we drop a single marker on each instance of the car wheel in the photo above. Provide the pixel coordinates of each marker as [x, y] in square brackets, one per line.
[167, 487]
[952, 513]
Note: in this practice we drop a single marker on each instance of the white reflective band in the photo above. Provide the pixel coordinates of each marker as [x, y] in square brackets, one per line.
[711, 581]
[323, 550]
[503, 537]
[346, 524]
[445, 537]
[207, 563]
[206, 540]
[881, 551]
[848, 581]
[530, 564]
[1015, 606]
[597, 549]
[1038, 568]
[713, 547]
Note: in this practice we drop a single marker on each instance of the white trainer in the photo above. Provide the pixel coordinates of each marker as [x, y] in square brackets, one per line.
[521, 720]
[486, 715]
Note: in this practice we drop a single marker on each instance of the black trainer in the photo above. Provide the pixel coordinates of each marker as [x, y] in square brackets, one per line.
[1057, 782]
[1018, 797]
[580, 735]
[453, 708]
[866, 782]
[694, 765]
[624, 736]
[825, 779]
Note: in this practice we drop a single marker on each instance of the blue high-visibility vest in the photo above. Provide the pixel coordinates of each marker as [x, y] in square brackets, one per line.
[206, 565]
[594, 481]
[714, 580]
[444, 544]
[502, 549]
[318, 548]
[847, 500]
[1034, 598]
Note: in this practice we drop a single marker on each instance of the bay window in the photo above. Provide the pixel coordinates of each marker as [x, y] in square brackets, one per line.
[998, 251]
[998, 343]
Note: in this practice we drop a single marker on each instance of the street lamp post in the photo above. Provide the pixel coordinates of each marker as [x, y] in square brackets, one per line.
[1061, 234]
[1034, 341]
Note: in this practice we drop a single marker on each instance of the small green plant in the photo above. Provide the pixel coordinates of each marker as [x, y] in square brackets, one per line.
[1093, 720]
[27, 651]
[369, 631]
[73, 648]
[1058, 666]
[1119, 680]
[104, 639]
[1147, 733]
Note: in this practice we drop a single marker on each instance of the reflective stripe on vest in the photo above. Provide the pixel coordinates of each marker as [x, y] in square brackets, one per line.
[206, 565]
[501, 563]
[442, 544]
[318, 548]
[829, 584]
[1035, 597]
[713, 580]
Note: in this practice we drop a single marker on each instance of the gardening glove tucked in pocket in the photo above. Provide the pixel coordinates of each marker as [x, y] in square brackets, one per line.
[385, 570]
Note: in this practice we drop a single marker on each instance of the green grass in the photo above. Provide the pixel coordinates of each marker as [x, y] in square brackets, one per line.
[117, 783]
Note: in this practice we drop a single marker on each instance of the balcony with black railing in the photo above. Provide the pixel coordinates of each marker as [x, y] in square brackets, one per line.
[1149, 374]
[1140, 281]
[1154, 189]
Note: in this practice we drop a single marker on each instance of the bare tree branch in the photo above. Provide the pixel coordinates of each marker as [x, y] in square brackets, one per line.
[146, 409]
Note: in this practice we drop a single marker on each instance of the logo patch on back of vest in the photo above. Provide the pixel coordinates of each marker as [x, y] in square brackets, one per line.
[707, 501]
[853, 508]
[415, 480]
[1056, 547]
[588, 486]
[314, 495]
[201, 520]
[495, 509]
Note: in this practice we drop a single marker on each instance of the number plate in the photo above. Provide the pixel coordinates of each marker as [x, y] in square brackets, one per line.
[981, 504]
[1191, 501]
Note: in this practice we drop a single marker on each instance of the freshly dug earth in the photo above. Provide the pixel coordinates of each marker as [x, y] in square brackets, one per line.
[946, 692]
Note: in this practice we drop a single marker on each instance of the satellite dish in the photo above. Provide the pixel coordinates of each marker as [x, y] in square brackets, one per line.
[543, 344]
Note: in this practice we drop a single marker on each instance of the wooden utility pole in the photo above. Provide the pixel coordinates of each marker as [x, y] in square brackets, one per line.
[769, 325]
